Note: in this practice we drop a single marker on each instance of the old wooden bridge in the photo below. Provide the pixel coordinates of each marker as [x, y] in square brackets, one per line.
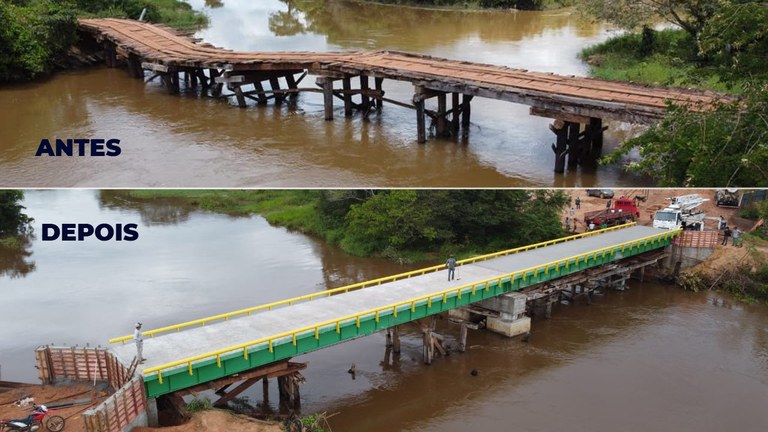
[578, 105]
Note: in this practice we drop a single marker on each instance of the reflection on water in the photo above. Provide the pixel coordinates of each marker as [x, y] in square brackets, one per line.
[14, 261]
[168, 141]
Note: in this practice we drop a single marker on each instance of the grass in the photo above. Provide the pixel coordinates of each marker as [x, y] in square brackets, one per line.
[671, 60]
[173, 13]
[293, 209]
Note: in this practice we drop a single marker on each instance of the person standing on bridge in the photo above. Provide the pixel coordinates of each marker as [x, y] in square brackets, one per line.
[737, 237]
[139, 338]
[451, 264]
[578, 203]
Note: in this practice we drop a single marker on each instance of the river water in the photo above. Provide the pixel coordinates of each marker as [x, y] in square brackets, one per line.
[170, 141]
[650, 358]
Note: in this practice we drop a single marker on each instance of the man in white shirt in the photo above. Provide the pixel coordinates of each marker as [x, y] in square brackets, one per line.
[139, 342]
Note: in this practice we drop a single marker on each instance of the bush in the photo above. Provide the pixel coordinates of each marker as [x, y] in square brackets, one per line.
[34, 37]
[197, 405]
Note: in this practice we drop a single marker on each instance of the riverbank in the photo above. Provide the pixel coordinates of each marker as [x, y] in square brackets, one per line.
[479, 4]
[662, 58]
[401, 225]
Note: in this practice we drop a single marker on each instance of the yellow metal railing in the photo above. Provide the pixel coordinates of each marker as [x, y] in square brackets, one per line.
[360, 285]
[410, 303]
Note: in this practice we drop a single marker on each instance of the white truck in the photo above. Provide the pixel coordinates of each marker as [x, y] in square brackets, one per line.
[681, 214]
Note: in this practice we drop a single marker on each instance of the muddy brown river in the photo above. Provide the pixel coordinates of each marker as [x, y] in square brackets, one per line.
[167, 140]
[650, 358]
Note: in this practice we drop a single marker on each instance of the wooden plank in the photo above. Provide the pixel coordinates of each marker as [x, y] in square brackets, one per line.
[157, 67]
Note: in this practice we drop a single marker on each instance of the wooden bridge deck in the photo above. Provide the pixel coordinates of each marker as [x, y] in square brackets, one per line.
[546, 92]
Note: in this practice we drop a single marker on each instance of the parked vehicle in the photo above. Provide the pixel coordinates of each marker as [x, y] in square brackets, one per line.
[623, 211]
[727, 198]
[602, 193]
[40, 415]
[681, 213]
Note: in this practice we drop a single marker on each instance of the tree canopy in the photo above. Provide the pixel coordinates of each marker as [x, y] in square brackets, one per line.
[13, 221]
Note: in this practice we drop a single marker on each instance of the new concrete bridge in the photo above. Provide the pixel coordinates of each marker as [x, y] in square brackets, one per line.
[579, 105]
[190, 354]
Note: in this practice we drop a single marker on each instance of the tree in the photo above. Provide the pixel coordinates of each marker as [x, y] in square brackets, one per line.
[13, 221]
[689, 15]
[724, 146]
[737, 35]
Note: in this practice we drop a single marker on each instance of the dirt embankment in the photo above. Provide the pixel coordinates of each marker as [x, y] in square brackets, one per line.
[218, 421]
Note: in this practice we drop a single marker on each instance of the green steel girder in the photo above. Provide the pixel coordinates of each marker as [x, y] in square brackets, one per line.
[211, 369]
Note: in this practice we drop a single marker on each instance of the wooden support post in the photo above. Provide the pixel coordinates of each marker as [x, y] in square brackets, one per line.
[265, 390]
[560, 147]
[428, 349]
[365, 100]
[202, 78]
[465, 112]
[327, 84]
[380, 93]
[596, 132]
[260, 89]
[110, 54]
[463, 337]
[134, 66]
[421, 126]
[290, 399]
[389, 339]
[193, 79]
[455, 109]
[291, 82]
[441, 120]
[274, 82]
[573, 143]
[396, 339]
[239, 95]
[347, 86]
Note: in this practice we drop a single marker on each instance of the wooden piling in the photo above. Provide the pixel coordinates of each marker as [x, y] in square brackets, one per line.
[274, 83]
[596, 132]
[463, 337]
[265, 390]
[573, 143]
[347, 87]
[260, 93]
[291, 83]
[441, 121]
[396, 339]
[110, 54]
[560, 147]
[134, 66]
[380, 93]
[429, 347]
[240, 97]
[327, 85]
[365, 102]
[455, 109]
[288, 388]
[465, 112]
[421, 126]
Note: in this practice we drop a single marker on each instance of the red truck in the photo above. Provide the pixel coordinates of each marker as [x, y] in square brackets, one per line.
[624, 210]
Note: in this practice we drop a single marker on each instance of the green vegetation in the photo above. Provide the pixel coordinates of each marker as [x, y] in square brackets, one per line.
[489, 4]
[35, 35]
[15, 235]
[718, 45]
[667, 58]
[198, 405]
[174, 13]
[410, 224]
[13, 221]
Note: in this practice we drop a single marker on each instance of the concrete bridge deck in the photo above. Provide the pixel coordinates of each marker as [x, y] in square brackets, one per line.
[170, 351]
